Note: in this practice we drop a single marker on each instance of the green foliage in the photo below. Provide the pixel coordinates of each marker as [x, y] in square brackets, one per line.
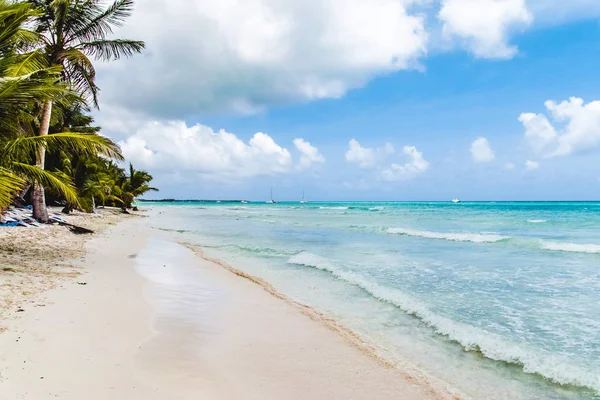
[74, 30]
[10, 184]
[134, 185]
[44, 49]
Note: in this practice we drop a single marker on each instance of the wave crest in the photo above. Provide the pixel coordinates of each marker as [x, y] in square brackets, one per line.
[454, 237]
[570, 247]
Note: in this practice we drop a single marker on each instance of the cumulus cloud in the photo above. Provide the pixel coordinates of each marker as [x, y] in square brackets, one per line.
[531, 165]
[539, 132]
[366, 157]
[175, 147]
[375, 159]
[578, 128]
[481, 151]
[309, 154]
[415, 165]
[245, 55]
[484, 26]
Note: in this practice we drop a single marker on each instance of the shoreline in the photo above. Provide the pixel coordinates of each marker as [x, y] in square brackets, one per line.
[106, 339]
[435, 388]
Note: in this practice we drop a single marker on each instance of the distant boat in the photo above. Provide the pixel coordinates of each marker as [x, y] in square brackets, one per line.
[271, 201]
[455, 201]
[218, 201]
[244, 202]
[303, 201]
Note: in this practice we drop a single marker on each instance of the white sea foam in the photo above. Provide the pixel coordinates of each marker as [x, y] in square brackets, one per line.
[536, 221]
[376, 209]
[570, 247]
[470, 338]
[455, 237]
[263, 251]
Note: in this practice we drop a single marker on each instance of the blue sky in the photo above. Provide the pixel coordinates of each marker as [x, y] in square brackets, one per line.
[459, 88]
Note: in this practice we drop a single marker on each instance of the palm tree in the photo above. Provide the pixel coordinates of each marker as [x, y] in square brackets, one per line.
[73, 31]
[14, 151]
[27, 79]
[24, 79]
[134, 185]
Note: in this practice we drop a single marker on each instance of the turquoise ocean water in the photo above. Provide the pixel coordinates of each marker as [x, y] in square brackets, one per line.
[497, 300]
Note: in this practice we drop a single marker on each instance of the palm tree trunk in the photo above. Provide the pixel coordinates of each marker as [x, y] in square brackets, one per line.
[38, 198]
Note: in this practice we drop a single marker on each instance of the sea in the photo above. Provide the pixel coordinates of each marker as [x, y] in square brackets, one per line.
[495, 300]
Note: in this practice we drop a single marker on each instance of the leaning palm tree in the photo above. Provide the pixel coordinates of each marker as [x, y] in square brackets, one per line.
[73, 31]
[134, 185]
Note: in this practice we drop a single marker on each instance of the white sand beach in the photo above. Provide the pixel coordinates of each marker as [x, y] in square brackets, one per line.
[102, 335]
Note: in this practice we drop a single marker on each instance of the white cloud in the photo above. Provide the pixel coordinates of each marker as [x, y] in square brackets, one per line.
[531, 165]
[484, 26]
[174, 147]
[245, 55]
[309, 154]
[539, 132]
[415, 165]
[375, 158]
[509, 166]
[367, 157]
[579, 128]
[481, 151]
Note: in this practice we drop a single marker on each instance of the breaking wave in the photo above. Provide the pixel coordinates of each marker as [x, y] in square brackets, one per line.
[454, 237]
[570, 247]
[490, 345]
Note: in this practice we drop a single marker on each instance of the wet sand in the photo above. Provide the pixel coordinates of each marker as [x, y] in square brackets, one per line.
[155, 321]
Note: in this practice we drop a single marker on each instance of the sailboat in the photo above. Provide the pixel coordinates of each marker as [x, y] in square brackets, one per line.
[271, 201]
[303, 201]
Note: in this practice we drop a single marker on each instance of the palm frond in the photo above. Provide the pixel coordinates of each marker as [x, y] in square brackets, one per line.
[10, 184]
[13, 15]
[16, 93]
[108, 50]
[100, 25]
[83, 143]
[140, 190]
[47, 179]
[24, 64]
[80, 73]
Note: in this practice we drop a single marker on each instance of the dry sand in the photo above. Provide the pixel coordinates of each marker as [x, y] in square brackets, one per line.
[103, 340]
[34, 260]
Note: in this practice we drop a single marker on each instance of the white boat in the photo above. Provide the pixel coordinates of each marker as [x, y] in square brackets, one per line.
[244, 202]
[271, 201]
[303, 201]
[455, 201]
[218, 201]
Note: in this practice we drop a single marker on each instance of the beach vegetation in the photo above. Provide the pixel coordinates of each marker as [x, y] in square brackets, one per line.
[49, 148]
